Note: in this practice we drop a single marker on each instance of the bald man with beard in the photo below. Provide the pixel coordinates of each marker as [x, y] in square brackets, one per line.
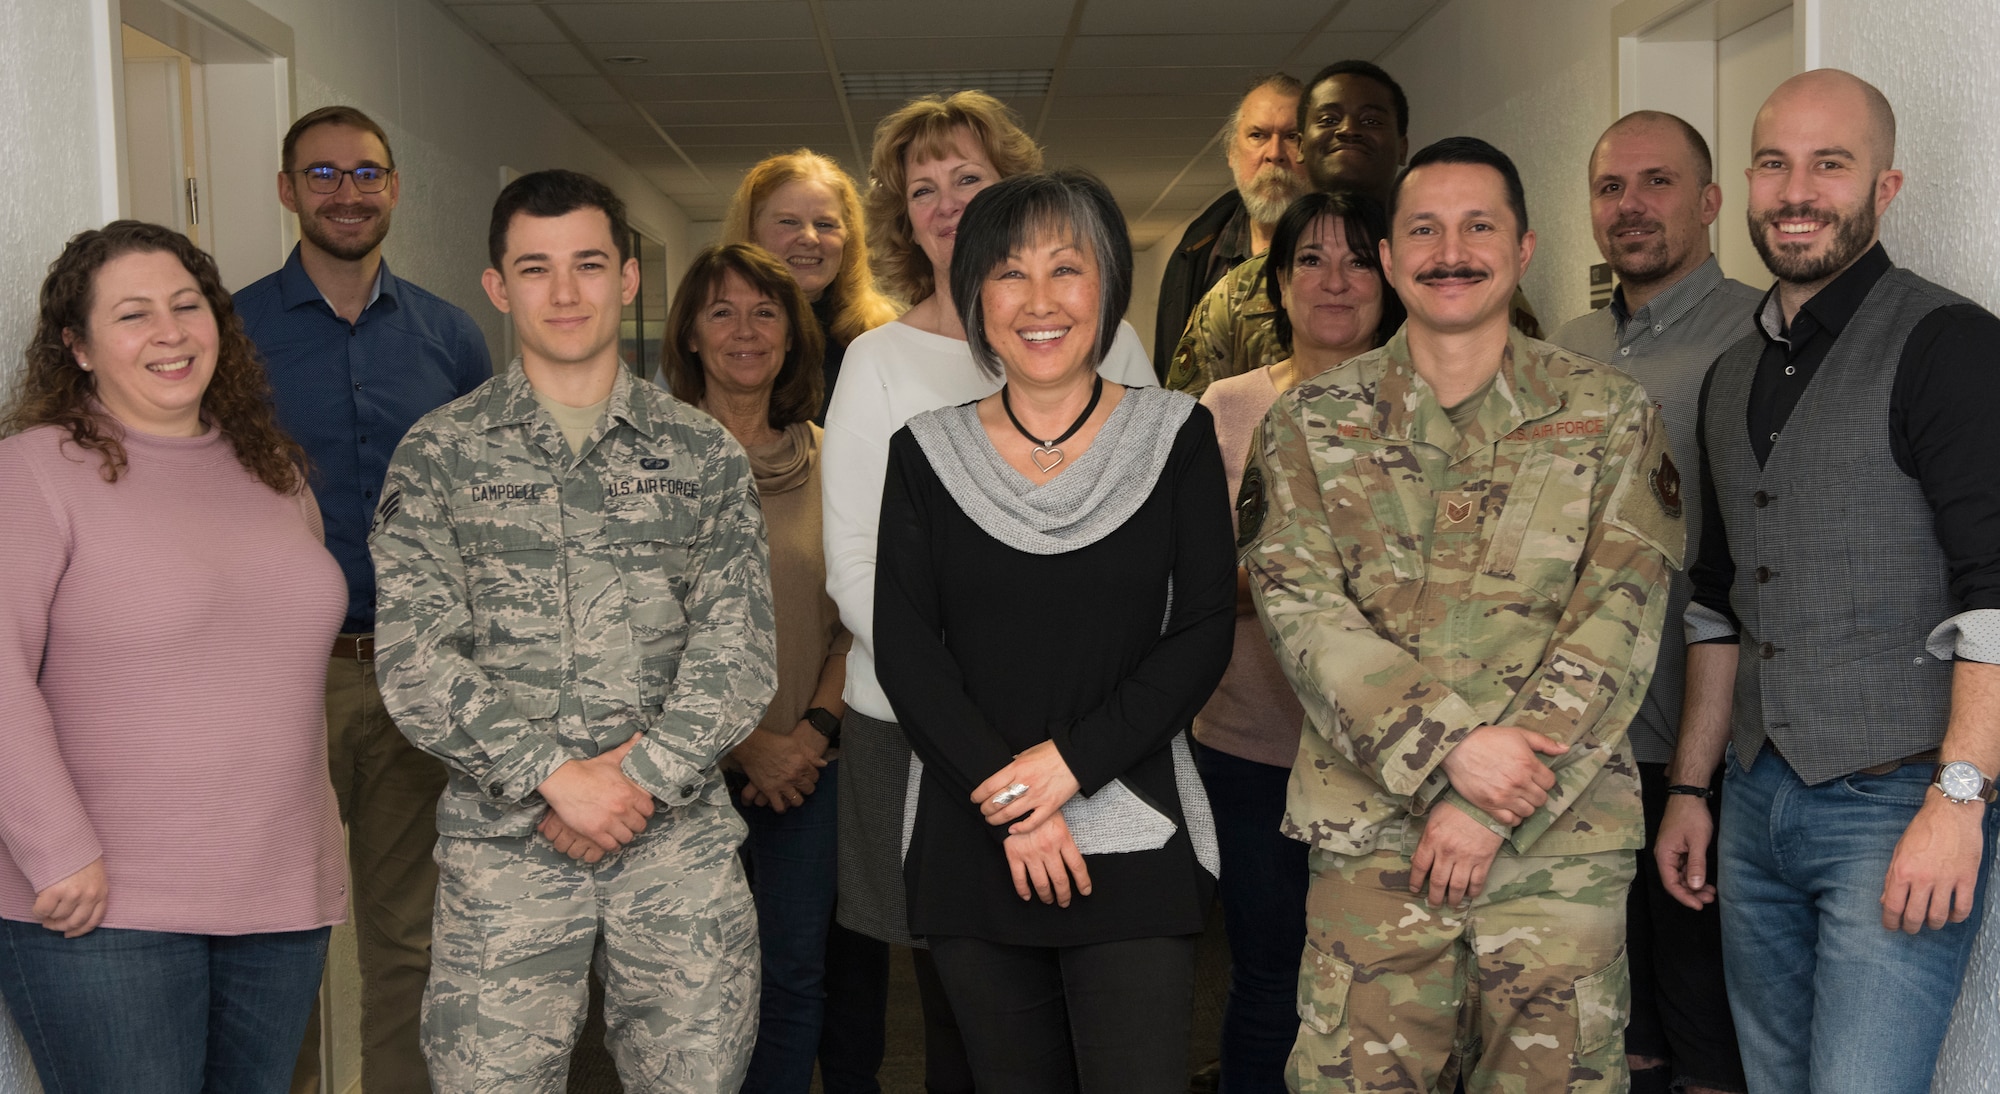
[1845, 630]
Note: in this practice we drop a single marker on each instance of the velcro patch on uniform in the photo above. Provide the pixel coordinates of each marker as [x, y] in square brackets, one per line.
[1666, 482]
[1648, 503]
[1251, 506]
[653, 463]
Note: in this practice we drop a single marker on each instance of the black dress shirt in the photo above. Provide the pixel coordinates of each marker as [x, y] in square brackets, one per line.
[1944, 426]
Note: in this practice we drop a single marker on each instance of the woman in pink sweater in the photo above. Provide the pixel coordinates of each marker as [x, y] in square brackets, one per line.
[170, 854]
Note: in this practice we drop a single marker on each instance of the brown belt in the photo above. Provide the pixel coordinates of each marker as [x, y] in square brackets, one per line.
[354, 647]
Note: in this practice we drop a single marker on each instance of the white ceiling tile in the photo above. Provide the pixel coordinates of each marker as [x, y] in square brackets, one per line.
[1201, 16]
[572, 90]
[509, 23]
[1338, 45]
[675, 22]
[822, 111]
[1215, 107]
[1181, 130]
[672, 58]
[1149, 50]
[901, 18]
[801, 85]
[1392, 15]
[559, 59]
[1147, 81]
[596, 114]
[945, 54]
[770, 138]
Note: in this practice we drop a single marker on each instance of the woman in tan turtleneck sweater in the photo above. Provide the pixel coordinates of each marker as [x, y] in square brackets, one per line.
[743, 346]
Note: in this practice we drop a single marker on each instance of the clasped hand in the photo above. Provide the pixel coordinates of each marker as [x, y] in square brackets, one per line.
[783, 768]
[1046, 860]
[1497, 769]
[1047, 777]
[74, 905]
[594, 808]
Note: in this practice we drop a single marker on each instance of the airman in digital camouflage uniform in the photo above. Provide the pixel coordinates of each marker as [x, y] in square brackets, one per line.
[575, 616]
[1459, 545]
[1354, 124]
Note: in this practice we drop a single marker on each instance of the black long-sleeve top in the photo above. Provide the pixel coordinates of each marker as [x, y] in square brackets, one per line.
[1942, 427]
[985, 650]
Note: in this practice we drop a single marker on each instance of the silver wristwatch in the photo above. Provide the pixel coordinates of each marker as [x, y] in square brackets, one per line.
[1962, 783]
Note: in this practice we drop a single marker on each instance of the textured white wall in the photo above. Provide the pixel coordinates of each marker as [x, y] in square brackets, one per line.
[48, 131]
[1934, 59]
[1533, 77]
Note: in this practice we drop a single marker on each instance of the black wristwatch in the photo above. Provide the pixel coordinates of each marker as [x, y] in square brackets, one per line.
[827, 723]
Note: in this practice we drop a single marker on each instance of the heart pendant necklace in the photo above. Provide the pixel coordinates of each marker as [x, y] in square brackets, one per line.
[1051, 451]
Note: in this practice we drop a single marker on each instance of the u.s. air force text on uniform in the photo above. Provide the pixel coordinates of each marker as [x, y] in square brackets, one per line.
[540, 605]
[1419, 581]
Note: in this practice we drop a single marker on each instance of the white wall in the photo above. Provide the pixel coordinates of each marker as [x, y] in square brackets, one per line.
[48, 133]
[1534, 78]
[453, 111]
[1934, 60]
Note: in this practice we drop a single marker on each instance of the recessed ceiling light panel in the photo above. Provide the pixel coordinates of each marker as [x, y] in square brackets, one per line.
[908, 85]
[626, 59]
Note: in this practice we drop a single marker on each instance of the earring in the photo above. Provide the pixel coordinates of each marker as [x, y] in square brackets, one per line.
[82, 364]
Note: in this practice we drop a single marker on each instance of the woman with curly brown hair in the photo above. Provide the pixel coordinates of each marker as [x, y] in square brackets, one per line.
[803, 208]
[170, 854]
[930, 158]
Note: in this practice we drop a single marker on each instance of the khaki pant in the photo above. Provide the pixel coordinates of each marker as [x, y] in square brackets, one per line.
[1525, 991]
[388, 794]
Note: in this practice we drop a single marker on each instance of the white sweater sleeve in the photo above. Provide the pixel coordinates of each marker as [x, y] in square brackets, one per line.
[854, 457]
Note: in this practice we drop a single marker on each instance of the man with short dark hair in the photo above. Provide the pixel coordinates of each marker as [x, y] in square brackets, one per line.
[1652, 198]
[355, 355]
[1354, 125]
[1458, 544]
[1261, 146]
[1845, 629]
[576, 618]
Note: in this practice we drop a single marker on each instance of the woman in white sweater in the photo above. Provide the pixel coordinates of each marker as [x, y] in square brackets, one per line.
[930, 158]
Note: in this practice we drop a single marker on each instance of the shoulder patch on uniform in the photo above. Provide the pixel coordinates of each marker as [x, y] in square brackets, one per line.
[1666, 480]
[1250, 507]
[391, 504]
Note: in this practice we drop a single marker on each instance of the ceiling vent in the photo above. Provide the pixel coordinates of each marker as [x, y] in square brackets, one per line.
[1004, 83]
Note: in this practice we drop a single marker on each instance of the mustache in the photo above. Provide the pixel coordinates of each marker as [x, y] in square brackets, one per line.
[1799, 212]
[1448, 273]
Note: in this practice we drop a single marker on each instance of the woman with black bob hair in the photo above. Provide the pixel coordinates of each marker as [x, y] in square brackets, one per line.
[1053, 603]
[1324, 278]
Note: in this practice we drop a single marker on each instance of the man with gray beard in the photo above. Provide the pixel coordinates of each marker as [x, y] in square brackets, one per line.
[1262, 149]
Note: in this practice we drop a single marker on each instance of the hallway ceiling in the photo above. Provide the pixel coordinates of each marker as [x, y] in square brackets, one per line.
[692, 92]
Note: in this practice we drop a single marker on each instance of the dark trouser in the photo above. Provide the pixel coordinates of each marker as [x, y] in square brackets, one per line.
[1680, 1006]
[1110, 1018]
[1263, 888]
[148, 1012]
[809, 1009]
[947, 1070]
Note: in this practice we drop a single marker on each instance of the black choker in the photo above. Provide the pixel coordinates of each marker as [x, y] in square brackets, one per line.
[1050, 449]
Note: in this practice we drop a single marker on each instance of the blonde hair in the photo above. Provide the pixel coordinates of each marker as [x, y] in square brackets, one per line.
[927, 128]
[855, 304]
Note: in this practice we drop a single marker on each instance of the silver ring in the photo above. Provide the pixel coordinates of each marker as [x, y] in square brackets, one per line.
[1007, 796]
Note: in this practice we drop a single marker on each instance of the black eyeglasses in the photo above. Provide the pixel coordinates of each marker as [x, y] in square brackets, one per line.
[326, 180]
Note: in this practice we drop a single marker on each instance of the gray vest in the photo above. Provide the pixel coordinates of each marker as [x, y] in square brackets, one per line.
[1839, 577]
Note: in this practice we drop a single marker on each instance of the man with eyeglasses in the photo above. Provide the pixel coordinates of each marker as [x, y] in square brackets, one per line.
[356, 355]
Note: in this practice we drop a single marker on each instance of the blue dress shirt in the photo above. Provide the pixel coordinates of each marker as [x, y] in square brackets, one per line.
[348, 393]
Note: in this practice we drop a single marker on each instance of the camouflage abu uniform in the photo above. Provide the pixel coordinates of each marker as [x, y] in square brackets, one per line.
[1233, 330]
[538, 606]
[1417, 584]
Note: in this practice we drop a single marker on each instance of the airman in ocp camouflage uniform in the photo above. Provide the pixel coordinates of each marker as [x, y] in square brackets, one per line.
[1419, 583]
[1233, 330]
[1438, 579]
[539, 606]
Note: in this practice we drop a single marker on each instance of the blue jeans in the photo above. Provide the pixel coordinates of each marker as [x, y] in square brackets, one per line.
[1825, 998]
[791, 860]
[1263, 889]
[147, 1012]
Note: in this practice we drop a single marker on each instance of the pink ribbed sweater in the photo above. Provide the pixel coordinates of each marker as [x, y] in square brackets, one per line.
[163, 651]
